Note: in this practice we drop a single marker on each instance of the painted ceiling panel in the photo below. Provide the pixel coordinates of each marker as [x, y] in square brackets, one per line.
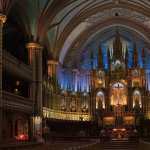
[65, 11]
[64, 16]
[75, 33]
[52, 35]
[145, 3]
[95, 3]
[33, 11]
[70, 16]
[100, 16]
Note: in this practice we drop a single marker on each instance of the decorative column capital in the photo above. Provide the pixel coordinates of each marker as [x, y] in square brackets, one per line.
[2, 18]
[33, 48]
[50, 62]
[34, 45]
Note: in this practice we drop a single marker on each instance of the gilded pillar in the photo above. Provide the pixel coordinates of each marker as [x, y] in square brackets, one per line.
[2, 21]
[52, 69]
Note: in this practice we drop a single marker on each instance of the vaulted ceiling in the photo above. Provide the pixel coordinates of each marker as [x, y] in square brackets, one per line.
[66, 26]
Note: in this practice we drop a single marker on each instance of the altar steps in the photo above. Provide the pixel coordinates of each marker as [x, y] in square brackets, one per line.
[121, 145]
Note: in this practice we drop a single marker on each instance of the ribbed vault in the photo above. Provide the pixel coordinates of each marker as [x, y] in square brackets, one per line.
[78, 46]
[59, 25]
[129, 18]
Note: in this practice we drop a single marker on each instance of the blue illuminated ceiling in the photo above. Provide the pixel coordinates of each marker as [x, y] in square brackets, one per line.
[82, 56]
[109, 33]
[77, 80]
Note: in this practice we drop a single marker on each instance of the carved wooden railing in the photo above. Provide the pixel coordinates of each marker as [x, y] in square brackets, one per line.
[13, 65]
[62, 115]
[16, 102]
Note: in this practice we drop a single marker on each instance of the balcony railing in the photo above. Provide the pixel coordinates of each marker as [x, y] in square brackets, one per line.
[56, 114]
[13, 65]
[16, 102]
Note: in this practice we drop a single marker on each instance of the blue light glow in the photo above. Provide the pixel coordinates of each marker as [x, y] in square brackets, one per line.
[130, 55]
[73, 80]
[79, 80]
[140, 61]
[105, 57]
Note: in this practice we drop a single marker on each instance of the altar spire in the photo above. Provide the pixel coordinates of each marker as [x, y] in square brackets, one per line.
[126, 57]
[100, 59]
[117, 47]
[143, 56]
[135, 56]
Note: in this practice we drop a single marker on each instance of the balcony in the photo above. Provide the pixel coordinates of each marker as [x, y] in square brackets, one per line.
[15, 102]
[14, 66]
[61, 115]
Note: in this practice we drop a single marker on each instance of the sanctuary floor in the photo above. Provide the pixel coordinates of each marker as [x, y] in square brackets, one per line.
[83, 145]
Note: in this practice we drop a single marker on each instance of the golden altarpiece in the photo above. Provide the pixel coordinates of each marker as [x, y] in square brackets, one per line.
[115, 97]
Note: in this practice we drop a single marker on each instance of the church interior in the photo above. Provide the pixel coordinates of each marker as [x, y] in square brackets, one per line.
[75, 74]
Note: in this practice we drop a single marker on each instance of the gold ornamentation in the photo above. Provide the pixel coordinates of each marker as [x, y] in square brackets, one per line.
[2, 18]
[33, 45]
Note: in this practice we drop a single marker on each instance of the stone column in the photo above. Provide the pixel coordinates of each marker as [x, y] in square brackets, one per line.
[35, 60]
[2, 21]
[52, 69]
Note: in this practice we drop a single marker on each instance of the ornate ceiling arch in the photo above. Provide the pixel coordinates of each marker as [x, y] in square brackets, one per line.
[55, 22]
[90, 18]
[74, 55]
[85, 37]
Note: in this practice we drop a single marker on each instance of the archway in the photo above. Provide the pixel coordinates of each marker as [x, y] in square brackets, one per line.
[137, 102]
[100, 100]
[118, 94]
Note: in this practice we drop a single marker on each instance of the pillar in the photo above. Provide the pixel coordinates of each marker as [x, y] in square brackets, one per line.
[52, 71]
[52, 67]
[2, 21]
[35, 60]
